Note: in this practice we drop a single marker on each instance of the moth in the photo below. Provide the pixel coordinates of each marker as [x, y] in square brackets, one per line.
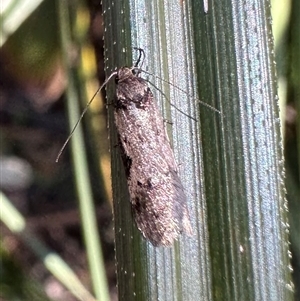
[157, 196]
[156, 193]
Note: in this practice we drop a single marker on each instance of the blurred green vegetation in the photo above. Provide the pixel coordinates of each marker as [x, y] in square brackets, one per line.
[15, 285]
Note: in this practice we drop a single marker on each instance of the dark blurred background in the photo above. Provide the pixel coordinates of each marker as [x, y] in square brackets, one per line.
[34, 125]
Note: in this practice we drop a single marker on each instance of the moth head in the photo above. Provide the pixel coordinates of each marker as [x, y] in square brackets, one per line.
[123, 74]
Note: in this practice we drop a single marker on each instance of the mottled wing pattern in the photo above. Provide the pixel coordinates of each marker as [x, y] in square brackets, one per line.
[157, 195]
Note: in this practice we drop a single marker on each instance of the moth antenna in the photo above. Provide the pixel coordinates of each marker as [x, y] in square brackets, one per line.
[142, 53]
[185, 114]
[82, 114]
[180, 89]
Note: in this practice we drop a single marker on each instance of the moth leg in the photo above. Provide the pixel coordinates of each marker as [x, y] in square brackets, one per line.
[168, 121]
